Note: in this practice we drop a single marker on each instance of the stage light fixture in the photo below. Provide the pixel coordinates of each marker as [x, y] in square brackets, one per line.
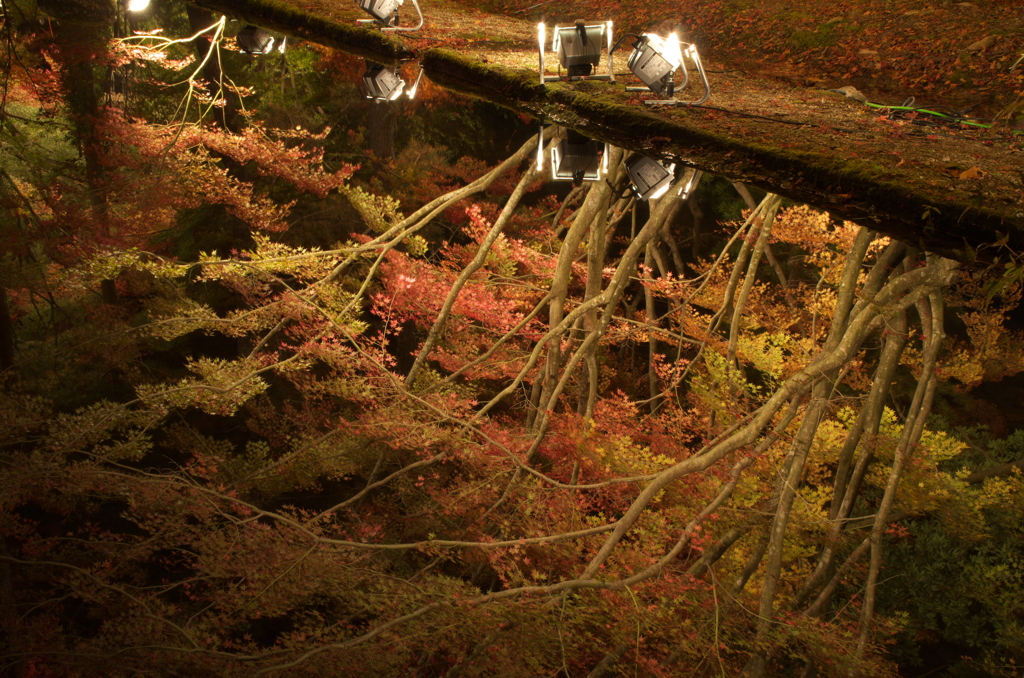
[650, 179]
[577, 159]
[655, 60]
[385, 14]
[381, 83]
[579, 50]
[254, 40]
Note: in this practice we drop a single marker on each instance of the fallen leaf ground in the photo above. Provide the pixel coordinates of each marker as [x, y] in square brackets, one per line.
[954, 53]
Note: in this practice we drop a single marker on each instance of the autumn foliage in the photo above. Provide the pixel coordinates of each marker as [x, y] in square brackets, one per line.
[552, 443]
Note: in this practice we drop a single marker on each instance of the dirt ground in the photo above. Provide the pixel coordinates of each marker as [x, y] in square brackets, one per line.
[959, 54]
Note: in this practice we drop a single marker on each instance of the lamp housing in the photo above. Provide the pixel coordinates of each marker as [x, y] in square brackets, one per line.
[654, 60]
[649, 178]
[254, 40]
[381, 10]
[579, 48]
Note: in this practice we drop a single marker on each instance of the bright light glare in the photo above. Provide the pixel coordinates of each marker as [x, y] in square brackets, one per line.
[691, 183]
[668, 48]
[540, 150]
[661, 191]
[137, 5]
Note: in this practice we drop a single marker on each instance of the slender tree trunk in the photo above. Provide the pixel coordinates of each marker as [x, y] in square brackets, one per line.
[652, 335]
[381, 128]
[932, 321]
[6, 333]
[79, 45]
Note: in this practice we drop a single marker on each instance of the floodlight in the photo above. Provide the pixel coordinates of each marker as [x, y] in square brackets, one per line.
[654, 61]
[136, 5]
[385, 14]
[381, 83]
[650, 179]
[253, 40]
[577, 159]
[579, 50]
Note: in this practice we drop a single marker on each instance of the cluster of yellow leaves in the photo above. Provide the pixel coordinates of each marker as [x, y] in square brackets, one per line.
[766, 351]
[990, 351]
[380, 212]
[221, 387]
[624, 457]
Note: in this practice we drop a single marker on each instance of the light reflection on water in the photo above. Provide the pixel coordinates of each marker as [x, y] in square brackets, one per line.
[410, 137]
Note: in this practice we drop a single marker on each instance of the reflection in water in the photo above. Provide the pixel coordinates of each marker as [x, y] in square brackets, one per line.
[576, 158]
[392, 420]
[649, 178]
[254, 40]
[382, 83]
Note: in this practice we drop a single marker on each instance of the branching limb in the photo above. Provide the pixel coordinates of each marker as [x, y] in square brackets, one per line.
[932, 322]
[467, 272]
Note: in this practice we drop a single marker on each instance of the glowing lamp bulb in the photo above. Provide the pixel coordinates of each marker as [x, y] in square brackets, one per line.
[137, 5]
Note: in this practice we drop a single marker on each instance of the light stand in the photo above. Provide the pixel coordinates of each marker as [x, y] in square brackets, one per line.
[689, 182]
[579, 50]
[385, 14]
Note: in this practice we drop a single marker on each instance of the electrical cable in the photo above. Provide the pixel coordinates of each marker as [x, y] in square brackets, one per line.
[624, 36]
[952, 117]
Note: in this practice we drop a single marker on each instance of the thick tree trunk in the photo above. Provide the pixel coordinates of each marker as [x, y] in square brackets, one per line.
[381, 129]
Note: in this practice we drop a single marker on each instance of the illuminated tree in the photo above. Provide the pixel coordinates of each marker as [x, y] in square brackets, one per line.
[601, 453]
